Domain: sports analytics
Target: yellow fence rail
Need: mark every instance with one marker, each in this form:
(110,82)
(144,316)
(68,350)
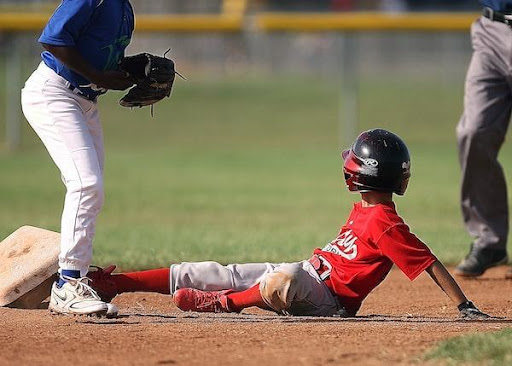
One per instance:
(144,22)
(232,20)
(365,21)
(189,23)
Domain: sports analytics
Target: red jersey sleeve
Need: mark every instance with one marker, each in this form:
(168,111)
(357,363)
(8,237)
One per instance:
(405,250)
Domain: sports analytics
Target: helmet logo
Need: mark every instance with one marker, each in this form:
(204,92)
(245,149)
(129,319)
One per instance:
(370,162)
(406,165)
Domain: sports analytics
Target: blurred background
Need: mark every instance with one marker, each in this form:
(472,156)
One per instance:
(242,162)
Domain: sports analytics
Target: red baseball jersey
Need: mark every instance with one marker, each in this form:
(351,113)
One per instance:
(361,256)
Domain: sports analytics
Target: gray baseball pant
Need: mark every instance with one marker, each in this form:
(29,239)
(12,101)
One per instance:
(481,132)
(287,288)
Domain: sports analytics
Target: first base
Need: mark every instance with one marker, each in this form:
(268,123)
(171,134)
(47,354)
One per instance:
(28,265)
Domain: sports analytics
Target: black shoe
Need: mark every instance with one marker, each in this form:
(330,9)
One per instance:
(478,261)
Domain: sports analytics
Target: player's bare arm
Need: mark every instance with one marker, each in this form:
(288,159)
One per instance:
(447,283)
(110,79)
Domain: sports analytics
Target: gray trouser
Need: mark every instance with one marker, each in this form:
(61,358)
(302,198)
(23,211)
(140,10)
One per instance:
(288,288)
(481,132)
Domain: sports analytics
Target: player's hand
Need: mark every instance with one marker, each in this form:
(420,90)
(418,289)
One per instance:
(113,79)
(467,310)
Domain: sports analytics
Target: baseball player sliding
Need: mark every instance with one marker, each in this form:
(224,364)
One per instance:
(337,278)
(83,41)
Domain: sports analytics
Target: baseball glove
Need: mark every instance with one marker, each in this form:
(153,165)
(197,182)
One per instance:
(154,76)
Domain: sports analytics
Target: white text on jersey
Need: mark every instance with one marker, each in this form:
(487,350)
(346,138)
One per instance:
(344,245)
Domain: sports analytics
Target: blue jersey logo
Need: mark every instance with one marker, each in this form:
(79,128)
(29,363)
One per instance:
(116,52)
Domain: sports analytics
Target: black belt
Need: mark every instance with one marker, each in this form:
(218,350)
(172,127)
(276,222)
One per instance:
(77,91)
(497,16)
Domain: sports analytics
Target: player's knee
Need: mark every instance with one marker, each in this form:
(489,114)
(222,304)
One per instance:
(276,290)
(476,131)
(95,192)
(91,191)
(480,141)
(460,130)
(467,129)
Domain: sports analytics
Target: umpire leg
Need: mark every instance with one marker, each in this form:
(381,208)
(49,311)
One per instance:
(480,135)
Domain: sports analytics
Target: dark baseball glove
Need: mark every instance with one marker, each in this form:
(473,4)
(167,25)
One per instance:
(154,76)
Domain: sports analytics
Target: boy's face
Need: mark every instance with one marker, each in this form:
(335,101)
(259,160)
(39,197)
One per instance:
(350,168)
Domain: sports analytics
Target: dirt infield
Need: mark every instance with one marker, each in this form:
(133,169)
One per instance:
(397,323)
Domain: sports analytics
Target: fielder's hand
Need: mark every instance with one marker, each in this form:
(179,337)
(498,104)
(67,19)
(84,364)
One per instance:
(467,310)
(153,75)
(113,79)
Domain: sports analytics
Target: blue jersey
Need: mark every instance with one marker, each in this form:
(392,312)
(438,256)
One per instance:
(498,5)
(99,29)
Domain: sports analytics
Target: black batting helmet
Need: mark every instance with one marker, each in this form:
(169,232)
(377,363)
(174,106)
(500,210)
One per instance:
(377,161)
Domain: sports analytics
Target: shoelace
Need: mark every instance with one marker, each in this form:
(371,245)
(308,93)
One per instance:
(207,300)
(211,300)
(82,286)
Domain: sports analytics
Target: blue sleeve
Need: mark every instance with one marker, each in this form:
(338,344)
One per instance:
(67,22)
(498,5)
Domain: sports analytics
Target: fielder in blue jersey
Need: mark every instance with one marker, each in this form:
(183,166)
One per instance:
(480,134)
(83,42)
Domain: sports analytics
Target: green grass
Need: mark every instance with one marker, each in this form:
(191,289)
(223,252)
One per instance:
(490,349)
(245,170)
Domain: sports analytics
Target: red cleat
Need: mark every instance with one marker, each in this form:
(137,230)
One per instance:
(101,282)
(189,299)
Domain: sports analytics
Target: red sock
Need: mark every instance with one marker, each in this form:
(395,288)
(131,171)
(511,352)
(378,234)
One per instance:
(154,280)
(244,299)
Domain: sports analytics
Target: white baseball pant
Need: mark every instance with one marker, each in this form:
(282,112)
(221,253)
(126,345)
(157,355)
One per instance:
(69,127)
(288,288)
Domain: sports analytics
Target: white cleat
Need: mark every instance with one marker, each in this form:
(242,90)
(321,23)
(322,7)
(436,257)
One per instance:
(76,297)
(112,311)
